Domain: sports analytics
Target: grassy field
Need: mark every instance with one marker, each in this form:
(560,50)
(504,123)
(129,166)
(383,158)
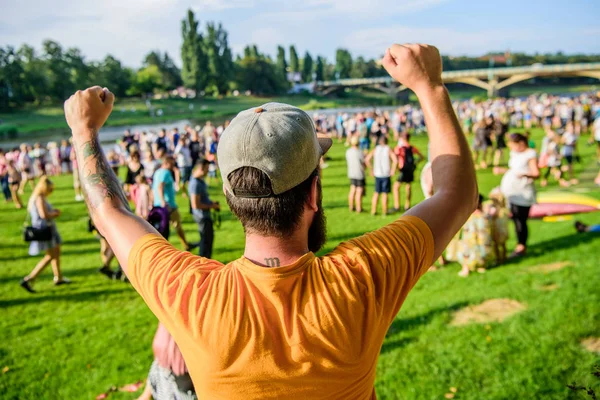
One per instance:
(76,341)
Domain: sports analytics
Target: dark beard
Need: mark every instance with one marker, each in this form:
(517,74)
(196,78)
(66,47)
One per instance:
(317,233)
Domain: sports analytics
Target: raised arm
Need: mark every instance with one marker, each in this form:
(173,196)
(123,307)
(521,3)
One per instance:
(86,111)
(419,67)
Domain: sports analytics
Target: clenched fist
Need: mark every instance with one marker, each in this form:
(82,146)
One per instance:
(87,110)
(417,66)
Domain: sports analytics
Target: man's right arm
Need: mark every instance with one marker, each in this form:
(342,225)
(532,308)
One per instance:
(419,67)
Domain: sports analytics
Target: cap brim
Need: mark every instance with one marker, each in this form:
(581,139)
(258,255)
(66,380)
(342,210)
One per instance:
(325,143)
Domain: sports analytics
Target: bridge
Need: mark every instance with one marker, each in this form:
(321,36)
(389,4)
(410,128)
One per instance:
(490,79)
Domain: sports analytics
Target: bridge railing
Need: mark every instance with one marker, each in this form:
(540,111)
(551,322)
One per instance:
(474,73)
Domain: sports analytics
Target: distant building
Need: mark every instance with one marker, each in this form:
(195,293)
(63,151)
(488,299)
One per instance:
(497,58)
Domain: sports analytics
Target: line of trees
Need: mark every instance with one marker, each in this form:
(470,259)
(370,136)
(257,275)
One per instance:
(208,67)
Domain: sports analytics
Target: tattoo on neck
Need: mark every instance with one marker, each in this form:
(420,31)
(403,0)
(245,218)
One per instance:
(272,262)
(97,178)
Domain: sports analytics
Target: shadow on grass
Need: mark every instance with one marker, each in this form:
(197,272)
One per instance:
(70,273)
(81,296)
(549,246)
(407,324)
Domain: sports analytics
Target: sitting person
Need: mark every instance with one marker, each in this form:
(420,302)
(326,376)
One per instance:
(583,228)
(475,242)
(495,209)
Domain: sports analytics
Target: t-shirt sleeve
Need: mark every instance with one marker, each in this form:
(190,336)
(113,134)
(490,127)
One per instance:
(391,259)
(169,280)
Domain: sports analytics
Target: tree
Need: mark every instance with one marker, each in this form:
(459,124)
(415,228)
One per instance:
(113,75)
(359,68)
(257,74)
(57,70)
(35,80)
(170,74)
(320,69)
(307,68)
(220,60)
(281,66)
(294,63)
(12,84)
(147,80)
(79,71)
(226,67)
(343,63)
(195,68)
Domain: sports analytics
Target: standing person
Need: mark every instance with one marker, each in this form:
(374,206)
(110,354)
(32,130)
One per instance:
(42,217)
(76,181)
(500,131)
(355,159)
(163,188)
(134,168)
(183,156)
(568,149)
(201,206)
(14,180)
(596,129)
(150,166)
(407,164)
(25,165)
(281,322)
(483,142)
(142,197)
(65,159)
(4,177)
(518,188)
(384,162)
(196,147)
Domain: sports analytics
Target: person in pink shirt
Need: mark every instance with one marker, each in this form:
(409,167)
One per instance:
(141,195)
(4,177)
(168,377)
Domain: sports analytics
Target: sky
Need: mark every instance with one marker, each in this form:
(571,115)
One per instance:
(129,29)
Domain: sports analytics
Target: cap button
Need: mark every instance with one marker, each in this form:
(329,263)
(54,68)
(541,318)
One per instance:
(258,110)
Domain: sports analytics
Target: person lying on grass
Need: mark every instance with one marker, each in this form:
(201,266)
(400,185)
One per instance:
(280,322)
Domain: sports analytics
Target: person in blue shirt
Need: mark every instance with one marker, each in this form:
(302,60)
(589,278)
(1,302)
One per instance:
(163,187)
(201,206)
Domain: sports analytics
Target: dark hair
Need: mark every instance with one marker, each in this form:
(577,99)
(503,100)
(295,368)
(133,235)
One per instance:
(518,138)
(277,215)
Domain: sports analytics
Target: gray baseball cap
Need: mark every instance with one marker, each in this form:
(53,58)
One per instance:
(277,139)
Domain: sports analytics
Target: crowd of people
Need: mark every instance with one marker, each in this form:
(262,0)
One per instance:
(482,241)
(158,165)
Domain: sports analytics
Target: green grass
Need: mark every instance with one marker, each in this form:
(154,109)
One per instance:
(74,342)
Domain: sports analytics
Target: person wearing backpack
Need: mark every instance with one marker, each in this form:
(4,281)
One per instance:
(408,158)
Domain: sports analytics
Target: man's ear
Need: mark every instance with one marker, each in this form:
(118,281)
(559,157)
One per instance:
(313,200)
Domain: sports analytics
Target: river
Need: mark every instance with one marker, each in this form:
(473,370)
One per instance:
(110,134)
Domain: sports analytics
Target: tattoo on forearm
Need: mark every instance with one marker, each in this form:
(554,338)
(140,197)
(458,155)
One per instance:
(272,262)
(97,178)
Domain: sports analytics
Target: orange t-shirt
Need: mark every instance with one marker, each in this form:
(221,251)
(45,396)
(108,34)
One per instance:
(309,330)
